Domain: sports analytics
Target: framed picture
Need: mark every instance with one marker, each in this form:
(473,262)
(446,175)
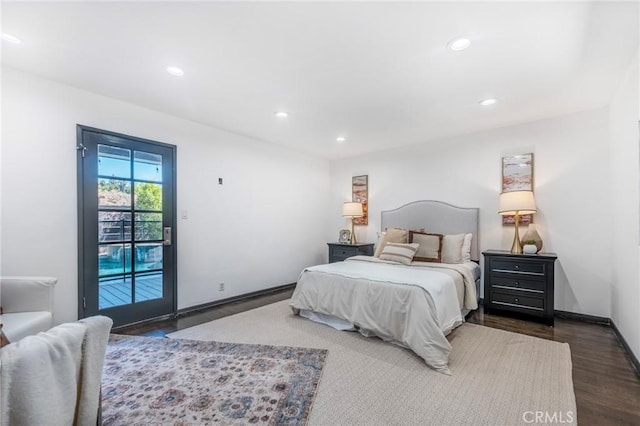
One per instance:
(360,194)
(345,236)
(517,175)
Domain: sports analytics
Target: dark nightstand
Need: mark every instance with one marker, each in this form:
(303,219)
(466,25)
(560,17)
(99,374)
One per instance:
(521,283)
(339,252)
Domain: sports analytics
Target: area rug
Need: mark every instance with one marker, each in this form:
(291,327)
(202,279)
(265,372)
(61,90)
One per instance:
(497,377)
(154,381)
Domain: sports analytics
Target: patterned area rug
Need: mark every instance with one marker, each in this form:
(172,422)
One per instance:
(157,381)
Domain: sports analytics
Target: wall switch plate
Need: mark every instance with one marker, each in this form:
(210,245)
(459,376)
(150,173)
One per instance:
(219,181)
(184,214)
(221,287)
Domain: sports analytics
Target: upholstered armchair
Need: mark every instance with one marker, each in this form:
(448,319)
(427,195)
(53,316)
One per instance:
(27,305)
(54,378)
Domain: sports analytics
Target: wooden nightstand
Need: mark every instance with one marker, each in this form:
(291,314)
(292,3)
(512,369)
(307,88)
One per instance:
(339,252)
(520,283)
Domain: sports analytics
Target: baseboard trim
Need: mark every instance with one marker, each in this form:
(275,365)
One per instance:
(582,317)
(144,321)
(185,311)
(626,347)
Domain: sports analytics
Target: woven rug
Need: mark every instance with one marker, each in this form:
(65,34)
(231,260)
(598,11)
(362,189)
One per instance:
(152,381)
(497,377)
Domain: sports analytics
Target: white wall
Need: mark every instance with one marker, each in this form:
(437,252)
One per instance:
(256,231)
(625,283)
(571,180)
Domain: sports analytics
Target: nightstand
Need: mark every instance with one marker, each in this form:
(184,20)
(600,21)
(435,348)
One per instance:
(339,252)
(521,283)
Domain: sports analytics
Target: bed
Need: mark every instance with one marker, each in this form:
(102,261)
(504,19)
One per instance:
(415,305)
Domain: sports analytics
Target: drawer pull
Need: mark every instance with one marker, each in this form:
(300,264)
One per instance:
(517,267)
(516,300)
(517,283)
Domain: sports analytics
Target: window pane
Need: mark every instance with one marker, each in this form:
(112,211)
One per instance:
(114,193)
(114,227)
(114,259)
(147,166)
(114,161)
(148,196)
(148,256)
(114,291)
(148,286)
(148,226)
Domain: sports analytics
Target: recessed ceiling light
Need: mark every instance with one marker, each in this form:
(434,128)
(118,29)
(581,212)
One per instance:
(175,71)
(11,39)
(282,114)
(487,102)
(459,44)
(341,139)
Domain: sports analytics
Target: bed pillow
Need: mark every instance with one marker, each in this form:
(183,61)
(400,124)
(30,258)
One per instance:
(466,248)
(452,248)
(391,235)
(401,253)
(430,246)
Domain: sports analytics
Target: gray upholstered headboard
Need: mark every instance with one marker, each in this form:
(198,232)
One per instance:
(438,217)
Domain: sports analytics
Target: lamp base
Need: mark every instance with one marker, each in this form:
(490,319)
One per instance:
(516,247)
(353,234)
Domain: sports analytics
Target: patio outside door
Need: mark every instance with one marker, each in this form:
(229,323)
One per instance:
(126,227)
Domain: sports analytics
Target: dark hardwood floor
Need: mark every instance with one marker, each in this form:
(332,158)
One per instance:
(606,386)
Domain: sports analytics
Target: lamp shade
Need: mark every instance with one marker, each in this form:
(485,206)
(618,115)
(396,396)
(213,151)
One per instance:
(521,202)
(350,209)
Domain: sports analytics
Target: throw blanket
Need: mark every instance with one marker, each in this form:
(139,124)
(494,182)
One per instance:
(414,307)
(53,378)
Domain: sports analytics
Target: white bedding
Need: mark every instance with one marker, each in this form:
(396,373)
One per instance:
(414,306)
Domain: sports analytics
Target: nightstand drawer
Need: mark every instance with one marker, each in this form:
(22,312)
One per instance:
(339,252)
(513,281)
(514,265)
(512,300)
(343,252)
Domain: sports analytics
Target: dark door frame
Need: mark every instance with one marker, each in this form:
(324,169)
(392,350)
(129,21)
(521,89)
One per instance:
(80,129)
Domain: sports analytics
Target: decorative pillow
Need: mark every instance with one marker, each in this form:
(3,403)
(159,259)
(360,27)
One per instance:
(452,248)
(430,246)
(466,248)
(401,253)
(391,235)
(3,338)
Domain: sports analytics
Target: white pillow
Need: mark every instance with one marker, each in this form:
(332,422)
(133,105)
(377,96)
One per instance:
(401,253)
(452,248)
(466,248)
(391,235)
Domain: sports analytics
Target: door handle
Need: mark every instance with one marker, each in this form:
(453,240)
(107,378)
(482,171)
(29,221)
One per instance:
(166,234)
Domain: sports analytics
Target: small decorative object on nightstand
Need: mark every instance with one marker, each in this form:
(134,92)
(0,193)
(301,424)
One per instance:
(344,236)
(529,247)
(339,252)
(519,283)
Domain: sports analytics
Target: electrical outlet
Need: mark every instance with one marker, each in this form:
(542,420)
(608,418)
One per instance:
(221,287)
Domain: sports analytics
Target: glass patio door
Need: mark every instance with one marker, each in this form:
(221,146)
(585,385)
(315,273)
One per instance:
(127,251)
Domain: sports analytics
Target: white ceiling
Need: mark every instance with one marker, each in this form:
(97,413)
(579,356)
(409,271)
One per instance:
(378,73)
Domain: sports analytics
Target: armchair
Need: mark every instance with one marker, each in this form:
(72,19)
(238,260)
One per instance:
(27,305)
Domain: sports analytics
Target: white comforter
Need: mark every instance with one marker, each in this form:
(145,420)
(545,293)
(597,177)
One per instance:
(415,306)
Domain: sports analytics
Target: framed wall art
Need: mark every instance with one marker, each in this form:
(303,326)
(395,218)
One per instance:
(517,175)
(360,194)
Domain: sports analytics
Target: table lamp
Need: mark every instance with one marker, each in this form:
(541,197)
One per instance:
(517,203)
(352,210)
